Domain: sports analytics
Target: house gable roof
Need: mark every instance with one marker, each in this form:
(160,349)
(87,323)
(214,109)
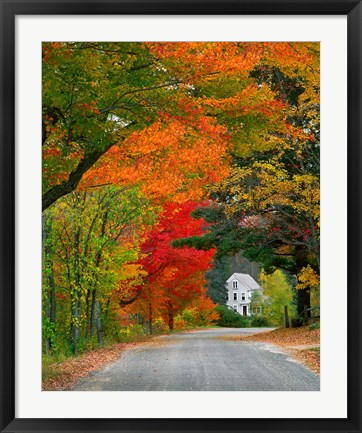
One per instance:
(245,279)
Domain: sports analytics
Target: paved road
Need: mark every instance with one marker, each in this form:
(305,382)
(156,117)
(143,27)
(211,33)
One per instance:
(203,361)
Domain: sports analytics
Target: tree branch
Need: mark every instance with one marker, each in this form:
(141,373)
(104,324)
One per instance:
(65,187)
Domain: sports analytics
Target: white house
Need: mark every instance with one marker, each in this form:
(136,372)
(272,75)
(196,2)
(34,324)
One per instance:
(240,288)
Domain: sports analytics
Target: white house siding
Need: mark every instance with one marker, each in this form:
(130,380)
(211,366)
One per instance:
(239,284)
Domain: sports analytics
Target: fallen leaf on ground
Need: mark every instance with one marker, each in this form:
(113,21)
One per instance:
(302,343)
(65,374)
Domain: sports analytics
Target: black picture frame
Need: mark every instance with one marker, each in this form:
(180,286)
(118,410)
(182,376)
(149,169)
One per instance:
(9,10)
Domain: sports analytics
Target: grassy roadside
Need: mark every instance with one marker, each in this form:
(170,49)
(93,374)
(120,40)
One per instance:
(301,343)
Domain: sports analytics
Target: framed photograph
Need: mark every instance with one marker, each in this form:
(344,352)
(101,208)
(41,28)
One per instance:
(180,216)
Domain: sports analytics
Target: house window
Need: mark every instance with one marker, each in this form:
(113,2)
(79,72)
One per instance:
(235,296)
(235,307)
(235,284)
(243,296)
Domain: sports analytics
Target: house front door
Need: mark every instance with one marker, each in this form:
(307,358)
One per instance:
(245,310)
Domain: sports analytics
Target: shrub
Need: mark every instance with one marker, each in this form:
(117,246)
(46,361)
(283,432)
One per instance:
(131,332)
(230,319)
(315,325)
(159,326)
(259,321)
(179,322)
(190,317)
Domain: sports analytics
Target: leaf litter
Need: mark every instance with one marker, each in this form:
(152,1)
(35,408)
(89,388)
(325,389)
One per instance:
(301,343)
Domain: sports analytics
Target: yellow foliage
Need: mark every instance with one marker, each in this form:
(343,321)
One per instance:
(307,278)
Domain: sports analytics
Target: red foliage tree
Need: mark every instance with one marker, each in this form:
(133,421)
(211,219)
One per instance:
(175,276)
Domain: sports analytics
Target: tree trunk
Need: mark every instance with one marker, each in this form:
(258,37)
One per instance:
(76,295)
(150,318)
(303,301)
(93,312)
(87,309)
(67,186)
(95,308)
(170,317)
(75,326)
(47,346)
(98,323)
(50,299)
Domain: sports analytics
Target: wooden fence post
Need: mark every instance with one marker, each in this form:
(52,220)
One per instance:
(305,315)
(286,317)
(311,316)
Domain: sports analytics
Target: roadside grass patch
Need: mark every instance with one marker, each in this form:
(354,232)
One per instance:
(315,349)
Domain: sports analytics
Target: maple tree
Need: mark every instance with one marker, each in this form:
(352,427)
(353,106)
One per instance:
(175,276)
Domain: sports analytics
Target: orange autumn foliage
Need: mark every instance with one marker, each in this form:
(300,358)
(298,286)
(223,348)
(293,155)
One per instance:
(171,135)
(175,159)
